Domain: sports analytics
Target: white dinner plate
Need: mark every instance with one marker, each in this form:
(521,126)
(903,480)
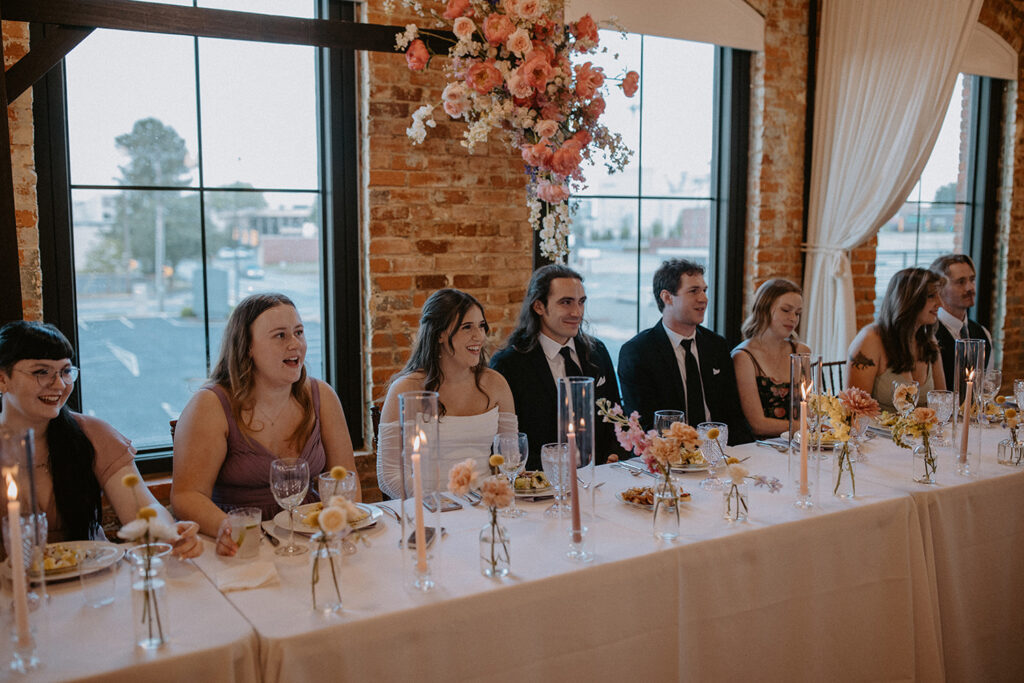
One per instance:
(281,518)
(691,467)
(827,443)
(104,552)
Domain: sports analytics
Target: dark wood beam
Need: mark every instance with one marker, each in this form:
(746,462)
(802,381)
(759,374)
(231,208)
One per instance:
(151,17)
(10,271)
(42,57)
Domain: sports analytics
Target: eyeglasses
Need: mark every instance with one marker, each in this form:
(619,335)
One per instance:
(45,376)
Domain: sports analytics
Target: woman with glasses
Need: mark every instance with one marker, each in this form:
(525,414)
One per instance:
(76,458)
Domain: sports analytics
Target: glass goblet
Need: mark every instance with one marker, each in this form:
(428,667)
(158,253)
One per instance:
(328,486)
(554,457)
(942,403)
(904,396)
(663,419)
(1018,393)
(991,381)
(289,482)
(514,449)
(713,451)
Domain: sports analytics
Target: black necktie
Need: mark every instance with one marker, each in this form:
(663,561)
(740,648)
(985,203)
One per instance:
(964,332)
(694,391)
(571,368)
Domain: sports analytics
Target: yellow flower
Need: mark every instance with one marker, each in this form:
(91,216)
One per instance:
(1010,413)
(146,513)
(732,460)
(313,518)
(713,433)
(338,472)
(1000,400)
(496,460)
(1011,422)
(130,480)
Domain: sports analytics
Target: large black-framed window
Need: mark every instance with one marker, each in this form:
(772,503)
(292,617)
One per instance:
(626,224)
(328,211)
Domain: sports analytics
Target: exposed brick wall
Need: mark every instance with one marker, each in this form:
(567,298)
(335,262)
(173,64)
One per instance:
(775,210)
(435,216)
(19,117)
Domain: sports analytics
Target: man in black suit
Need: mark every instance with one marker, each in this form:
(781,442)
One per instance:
(678,364)
(957,296)
(548,344)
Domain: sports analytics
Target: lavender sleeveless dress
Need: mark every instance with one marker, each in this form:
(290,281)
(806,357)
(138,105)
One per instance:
(244,478)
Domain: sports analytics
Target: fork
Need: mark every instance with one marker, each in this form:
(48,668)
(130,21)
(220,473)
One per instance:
(587,485)
(392,513)
(632,470)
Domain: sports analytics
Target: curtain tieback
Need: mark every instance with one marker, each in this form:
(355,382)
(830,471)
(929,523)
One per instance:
(839,258)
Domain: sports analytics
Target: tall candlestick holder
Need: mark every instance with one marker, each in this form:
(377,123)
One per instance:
(16,481)
(968,375)
(576,428)
(799,376)
(421,489)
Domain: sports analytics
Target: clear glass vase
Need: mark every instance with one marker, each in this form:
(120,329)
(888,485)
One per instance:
(925,464)
(1010,453)
(325,574)
(844,476)
(735,506)
(149,613)
(495,547)
(666,511)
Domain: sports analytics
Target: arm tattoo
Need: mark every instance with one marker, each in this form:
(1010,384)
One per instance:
(860,361)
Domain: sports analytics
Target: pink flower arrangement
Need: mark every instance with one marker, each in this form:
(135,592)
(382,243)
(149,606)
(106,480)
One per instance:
(496,492)
(512,59)
(859,402)
(679,446)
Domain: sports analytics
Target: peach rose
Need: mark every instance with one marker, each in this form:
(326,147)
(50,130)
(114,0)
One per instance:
(537,70)
(630,83)
(538,155)
(585,29)
(566,159)
(546,128)
(462,477)
(456,9)
(483,77)
(529,9)
(518,86)
(497,28)
(416,56)
(463,28)
(552,193)
(518,42)
(588,79)
(596,107)
(582,138)
(456,108)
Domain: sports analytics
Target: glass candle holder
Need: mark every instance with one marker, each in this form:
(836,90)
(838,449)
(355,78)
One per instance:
(421,488)
(576,428)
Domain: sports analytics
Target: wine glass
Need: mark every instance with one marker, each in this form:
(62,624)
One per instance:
(991,381)
(554,458)
(713,451)
(663,419)
(942,403)
(1018,393)
(904,396)
(512,447)
(289,482)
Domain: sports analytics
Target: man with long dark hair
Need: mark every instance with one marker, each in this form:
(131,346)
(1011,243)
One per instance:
(679,364)
(548,343)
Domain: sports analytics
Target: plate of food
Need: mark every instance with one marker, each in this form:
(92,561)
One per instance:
(305,518)
(643,497)
(828,439)
(691,467)
(65,560)
(533,484)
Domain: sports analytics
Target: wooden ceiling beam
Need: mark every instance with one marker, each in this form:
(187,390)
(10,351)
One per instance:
(43,56)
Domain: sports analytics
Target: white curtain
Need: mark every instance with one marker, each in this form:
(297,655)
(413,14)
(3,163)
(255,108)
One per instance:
(886,72)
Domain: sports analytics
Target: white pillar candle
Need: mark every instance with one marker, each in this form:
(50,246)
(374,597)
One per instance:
(803,440)
(964,432)
(19,583)
(417,486)
(577,528)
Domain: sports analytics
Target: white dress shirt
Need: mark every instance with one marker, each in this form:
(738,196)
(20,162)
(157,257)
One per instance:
(955,325)
(677,349)
(556,362)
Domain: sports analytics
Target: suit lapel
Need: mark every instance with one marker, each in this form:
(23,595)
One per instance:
(543,378)
(666,358)
(707,365)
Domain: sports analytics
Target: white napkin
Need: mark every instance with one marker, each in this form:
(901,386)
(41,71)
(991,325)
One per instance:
(249,575)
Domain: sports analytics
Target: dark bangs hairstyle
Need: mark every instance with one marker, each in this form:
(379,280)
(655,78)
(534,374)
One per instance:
(71,455)
(904,299)
(444,310)
(235,370)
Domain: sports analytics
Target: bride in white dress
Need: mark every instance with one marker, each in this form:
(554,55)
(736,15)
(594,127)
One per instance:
(475,401)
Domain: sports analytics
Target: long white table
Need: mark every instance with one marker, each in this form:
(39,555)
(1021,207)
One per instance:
(905,582)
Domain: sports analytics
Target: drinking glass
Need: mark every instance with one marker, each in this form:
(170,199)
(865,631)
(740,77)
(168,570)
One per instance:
(289,482)
(991,381)
(512,446)
(245,530)
(663,419)
(904,399)
(33,543)
(942,402)
(554,458)
(328,486)
(713,451)
(1018,393)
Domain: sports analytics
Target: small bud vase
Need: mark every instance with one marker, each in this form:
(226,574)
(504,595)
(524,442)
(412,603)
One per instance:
(844,481)
(495,545)
(325,579)
(1011,453)
(666,511)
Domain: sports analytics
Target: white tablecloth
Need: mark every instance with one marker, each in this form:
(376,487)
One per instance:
(209,641)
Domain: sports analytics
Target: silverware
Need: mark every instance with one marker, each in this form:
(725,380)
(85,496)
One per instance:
(773,444)
(274,541)
(391,513)
(632,470)
(587,485)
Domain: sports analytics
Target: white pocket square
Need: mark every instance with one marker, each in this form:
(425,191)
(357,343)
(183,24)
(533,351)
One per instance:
(715,371)
(600,381)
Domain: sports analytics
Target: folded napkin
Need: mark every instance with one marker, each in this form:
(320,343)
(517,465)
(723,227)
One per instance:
(249,575)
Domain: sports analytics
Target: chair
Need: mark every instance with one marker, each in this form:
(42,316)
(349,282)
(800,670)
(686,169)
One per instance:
(832,375)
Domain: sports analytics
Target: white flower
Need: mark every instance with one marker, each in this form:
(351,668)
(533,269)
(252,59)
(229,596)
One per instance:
(137,528)
(402,40)
(737,473)
(333,519)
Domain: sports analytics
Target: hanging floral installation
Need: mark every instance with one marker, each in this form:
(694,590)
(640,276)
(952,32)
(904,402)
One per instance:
(511,68)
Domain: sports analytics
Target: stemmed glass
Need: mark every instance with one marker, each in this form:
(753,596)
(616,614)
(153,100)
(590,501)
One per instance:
(942,403)
(991,381)
(554,458)
(289,482)
(713,451)
(904,396)
(512,446)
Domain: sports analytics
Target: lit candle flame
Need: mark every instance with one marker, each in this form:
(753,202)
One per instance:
(12,488)
(804,388)
(970,376)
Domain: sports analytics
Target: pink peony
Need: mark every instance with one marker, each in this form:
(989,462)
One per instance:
(552,193)
(483,77)
(456,9)
(586,29)
(519,42)
(495,492)
(462,477)
(537,70)
(582,138)
(463,28)
(517,86)
(588,79)
(497,28)
(550,110)
(416,56)
(538,155)
(859,402)
(566,159)
(529,9)
(630,83)
(924,416)
(546,128)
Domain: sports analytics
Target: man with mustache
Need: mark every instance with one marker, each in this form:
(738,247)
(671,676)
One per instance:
(678,364)
(957,297)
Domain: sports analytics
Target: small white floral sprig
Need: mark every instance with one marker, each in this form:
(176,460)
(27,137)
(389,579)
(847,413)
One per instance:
(737,473)
(510,69)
